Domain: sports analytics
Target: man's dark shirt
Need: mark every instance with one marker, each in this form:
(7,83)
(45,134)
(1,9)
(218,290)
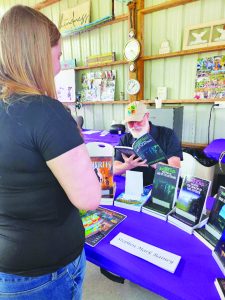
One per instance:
(167,140)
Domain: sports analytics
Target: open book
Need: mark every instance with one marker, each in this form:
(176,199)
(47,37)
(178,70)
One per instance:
(146,148)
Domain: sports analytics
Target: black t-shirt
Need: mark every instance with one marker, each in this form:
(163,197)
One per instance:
(166,139)
(40,229)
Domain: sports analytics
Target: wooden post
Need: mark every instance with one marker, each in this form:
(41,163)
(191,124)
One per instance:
(140,62)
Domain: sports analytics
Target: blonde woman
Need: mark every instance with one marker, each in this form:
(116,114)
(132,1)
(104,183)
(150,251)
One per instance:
(45,172)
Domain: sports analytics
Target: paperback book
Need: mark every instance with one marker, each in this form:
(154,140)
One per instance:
(133,202)
(99,223)
(211,233)
(188,213)
(103,170)
(164,192)
(220,286)
(146,148)
(219,253)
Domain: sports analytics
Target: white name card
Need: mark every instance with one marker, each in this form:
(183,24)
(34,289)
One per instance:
(157,256)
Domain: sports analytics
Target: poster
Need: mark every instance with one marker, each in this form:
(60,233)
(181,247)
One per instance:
(98,86)
(65,85)
(210,78)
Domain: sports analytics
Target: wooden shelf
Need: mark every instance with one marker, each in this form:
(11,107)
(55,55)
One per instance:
(106,102)
(102,65)
(184,52)
(169,101)
(165,5)
(44,4)
(186,101)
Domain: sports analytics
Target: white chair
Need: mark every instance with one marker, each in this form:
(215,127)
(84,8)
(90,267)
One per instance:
(190,166)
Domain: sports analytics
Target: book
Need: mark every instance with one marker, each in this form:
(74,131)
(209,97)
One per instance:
(190,205)
(219,253)
(103,166)
(220,286)
(211,233)
(99,223)
(146,148)
(133,202)
(164,191)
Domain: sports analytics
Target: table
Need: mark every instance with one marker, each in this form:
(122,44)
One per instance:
(194,276)
(101,136)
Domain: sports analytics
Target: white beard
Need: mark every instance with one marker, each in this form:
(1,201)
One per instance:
(138,133)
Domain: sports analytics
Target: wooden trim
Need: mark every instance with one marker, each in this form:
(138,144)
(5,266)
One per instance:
(165,5)
(193,145)
(184,52)
(44,4)
(113,63)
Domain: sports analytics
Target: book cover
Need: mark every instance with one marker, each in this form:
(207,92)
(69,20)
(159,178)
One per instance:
(190,203)
(99,223)
(146,148)
(220,286)
(126,201)
(164,190)
(212,231)
(103,167)
(219,253)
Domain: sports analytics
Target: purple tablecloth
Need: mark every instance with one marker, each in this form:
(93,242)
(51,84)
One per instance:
(108,138)
(194,276)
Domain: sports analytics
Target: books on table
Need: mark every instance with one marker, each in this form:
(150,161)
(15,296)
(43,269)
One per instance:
(219,253)
(135,195)
(189,209)
(220,286)
(164,191)
(99,223)
(101,155)
(211,233)
(103,169)
(146,148)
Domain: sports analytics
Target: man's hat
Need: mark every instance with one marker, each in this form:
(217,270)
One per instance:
(135,111)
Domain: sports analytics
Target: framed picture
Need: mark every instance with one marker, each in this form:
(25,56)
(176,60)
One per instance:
(65,85)
(218,33)
(204,35)
(196,36)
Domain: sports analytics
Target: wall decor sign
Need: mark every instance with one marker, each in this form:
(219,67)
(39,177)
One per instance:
(75,17)
(98,86)
(204,35)
(210,78)
(101,58)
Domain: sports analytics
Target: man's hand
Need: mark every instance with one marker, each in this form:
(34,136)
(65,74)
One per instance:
(132,162)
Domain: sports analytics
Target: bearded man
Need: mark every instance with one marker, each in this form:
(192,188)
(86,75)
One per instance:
(137,120)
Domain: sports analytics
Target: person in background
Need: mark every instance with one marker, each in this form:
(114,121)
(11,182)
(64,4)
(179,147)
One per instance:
(46,175)
(137,119)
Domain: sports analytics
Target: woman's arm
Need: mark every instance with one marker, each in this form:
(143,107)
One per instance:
(73,170)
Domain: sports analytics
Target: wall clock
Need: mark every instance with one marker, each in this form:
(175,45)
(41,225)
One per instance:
(132,50)
(133,86)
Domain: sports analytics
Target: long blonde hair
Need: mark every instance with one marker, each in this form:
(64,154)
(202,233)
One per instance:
(26,38)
